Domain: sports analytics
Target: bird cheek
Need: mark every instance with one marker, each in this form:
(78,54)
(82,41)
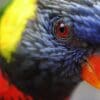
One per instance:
(91,71)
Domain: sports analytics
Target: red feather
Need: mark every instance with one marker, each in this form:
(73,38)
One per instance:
(8,91)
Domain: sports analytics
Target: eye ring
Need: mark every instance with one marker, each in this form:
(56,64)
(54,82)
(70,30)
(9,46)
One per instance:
(61,30)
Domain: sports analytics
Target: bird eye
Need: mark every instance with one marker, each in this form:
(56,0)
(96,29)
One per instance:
(61,29)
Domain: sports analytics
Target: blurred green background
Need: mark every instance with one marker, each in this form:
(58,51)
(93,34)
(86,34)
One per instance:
(3,3)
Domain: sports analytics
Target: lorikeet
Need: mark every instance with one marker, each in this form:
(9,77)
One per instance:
(48,46)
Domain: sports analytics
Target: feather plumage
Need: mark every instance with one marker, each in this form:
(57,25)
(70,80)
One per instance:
(45,66)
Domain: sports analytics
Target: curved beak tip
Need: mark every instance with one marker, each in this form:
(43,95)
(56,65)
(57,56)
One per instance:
(91,71)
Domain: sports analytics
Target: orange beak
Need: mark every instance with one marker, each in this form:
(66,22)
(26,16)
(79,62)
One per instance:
(91,71)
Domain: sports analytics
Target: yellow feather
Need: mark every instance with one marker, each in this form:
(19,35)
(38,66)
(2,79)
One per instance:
(13,23)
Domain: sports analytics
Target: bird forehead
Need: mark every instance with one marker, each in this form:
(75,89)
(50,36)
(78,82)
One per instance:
(67,2)
(67,7)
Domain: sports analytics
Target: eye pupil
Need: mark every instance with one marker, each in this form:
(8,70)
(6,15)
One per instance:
(62,28)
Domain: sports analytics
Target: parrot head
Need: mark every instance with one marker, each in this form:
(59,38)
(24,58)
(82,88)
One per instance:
(49,46)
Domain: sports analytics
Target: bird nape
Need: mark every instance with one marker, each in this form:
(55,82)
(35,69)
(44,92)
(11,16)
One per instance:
(47,62)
